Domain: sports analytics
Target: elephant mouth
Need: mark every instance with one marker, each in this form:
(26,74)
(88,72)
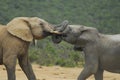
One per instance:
(46,33)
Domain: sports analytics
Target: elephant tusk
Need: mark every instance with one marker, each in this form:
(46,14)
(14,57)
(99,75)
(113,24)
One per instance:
(55,32)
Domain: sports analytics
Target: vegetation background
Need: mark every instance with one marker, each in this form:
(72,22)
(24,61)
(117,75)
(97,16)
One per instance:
(102,14)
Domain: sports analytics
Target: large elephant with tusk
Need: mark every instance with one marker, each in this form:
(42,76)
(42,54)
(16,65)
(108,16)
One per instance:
(15,38)
(102,52)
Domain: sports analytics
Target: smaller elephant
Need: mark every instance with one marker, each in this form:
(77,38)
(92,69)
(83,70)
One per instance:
(15,38)
(102,52)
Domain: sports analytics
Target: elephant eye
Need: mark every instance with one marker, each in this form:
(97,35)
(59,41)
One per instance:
(41,24)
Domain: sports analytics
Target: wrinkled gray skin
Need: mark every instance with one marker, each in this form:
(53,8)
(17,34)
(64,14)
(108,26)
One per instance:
(102,52)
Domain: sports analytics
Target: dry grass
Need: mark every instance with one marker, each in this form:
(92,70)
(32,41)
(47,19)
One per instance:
(54,73)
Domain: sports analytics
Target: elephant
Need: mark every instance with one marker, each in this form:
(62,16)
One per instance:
(101,51)
(15,38)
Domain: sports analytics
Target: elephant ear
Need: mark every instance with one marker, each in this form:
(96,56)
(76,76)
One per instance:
(20,28)
(89,34)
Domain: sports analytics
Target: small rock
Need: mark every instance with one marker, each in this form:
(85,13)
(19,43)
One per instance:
(4,68)
(18,69)
(55,73)
(40,67)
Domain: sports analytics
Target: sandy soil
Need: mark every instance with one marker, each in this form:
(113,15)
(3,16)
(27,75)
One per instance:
(54,73)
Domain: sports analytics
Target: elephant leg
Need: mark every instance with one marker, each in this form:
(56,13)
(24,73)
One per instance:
(10,64)
(91,66)
(26,67)
(88,71)
(99,75)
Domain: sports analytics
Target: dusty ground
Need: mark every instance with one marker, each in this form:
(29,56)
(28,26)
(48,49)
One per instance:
(54,73)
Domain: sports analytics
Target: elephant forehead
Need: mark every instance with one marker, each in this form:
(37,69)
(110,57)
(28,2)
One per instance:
(41,20)
(75,28)
(37,20)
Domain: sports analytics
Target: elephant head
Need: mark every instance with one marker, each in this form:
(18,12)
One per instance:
(78,35)
(29,28)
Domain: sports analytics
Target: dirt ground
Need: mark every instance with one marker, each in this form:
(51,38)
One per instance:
(54,73)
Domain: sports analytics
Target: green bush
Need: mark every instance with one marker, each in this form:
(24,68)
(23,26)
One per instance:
(33,54)
(51,54)
(65,63)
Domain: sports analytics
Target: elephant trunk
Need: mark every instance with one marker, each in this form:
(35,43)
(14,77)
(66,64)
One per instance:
(60,28)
